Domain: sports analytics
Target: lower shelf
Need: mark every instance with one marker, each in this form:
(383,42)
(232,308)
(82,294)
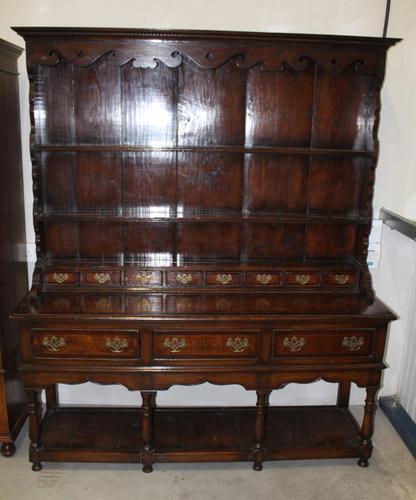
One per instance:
(196,434)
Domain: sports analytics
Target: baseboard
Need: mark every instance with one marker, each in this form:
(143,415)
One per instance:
(401,421)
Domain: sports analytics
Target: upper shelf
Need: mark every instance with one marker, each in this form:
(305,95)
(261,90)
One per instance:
(125,148)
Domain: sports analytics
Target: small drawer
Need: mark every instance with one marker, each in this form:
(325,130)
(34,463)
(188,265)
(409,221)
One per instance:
(322,343)
(143,278)
(184,278)
(303,279)
(85,343)
(223,279)
(102,278)
(263,278)
(62,278)
(200,345)
(341,279)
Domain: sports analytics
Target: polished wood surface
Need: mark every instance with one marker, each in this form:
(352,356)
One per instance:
(202,212)
(13,282)
(101,434)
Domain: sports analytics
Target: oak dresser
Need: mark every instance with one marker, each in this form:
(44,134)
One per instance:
(203,202)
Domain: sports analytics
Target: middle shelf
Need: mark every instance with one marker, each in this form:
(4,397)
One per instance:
(156,214)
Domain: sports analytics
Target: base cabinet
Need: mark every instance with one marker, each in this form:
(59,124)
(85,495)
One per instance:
(151,356)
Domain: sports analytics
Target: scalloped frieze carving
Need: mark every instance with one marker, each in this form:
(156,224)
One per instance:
(149,53)
(165,380)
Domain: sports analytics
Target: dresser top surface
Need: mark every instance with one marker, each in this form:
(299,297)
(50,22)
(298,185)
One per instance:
(205,306)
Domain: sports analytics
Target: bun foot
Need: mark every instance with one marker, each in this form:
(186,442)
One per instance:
(258,467)
(8,449)
(37,466)
(147,468)
(363,462)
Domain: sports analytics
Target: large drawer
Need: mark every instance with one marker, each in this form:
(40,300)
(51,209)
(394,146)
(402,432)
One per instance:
(322,343)
(180,344)
(106,343)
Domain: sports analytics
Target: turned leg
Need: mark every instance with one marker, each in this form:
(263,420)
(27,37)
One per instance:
(52,397)
(260,428)
(367,427)
(344,389)
(34,410)
(149,403)
(8,448)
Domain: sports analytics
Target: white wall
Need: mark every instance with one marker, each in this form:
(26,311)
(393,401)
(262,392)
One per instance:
(396,176)
(394,281)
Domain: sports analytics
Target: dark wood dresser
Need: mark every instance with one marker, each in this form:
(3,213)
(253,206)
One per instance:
(202,212)
(13,271)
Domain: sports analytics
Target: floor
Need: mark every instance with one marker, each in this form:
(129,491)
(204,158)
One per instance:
(391,476)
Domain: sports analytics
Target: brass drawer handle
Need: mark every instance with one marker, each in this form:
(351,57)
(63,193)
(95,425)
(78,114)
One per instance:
(102,278)
(294,343)
(303,279)
(342,279)
(53,343)
(143,277)
(353,343)
(264,279)
(60,277)
(184,278)
(174,344)
(224,279)
(116,344)
(237,344)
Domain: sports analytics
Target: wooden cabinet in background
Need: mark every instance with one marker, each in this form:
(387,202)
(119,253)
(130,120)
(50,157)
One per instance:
(202,211)
(13,272)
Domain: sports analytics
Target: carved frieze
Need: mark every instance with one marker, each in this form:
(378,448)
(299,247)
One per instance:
(209,55)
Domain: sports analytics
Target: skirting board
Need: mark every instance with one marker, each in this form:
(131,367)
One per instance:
(401,421)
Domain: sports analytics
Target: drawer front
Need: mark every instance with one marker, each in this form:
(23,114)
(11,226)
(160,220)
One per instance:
(102,278)
(184,278)
(322,343)
(263,278)
(143,278)
(303,279)
(203,345)
(85,343)
(341,279)
(62,278)
(223,279)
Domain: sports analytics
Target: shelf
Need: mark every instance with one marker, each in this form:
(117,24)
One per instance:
(175,261)
(197,434)
(151,215)
(91,148)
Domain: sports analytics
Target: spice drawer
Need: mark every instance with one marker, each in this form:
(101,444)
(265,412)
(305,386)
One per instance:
(221,344)
(184,278)
(62,278)
(85,343)
(263,278)
(223,279)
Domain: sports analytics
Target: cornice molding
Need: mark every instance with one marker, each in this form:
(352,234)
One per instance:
(8,49)
(41,32)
